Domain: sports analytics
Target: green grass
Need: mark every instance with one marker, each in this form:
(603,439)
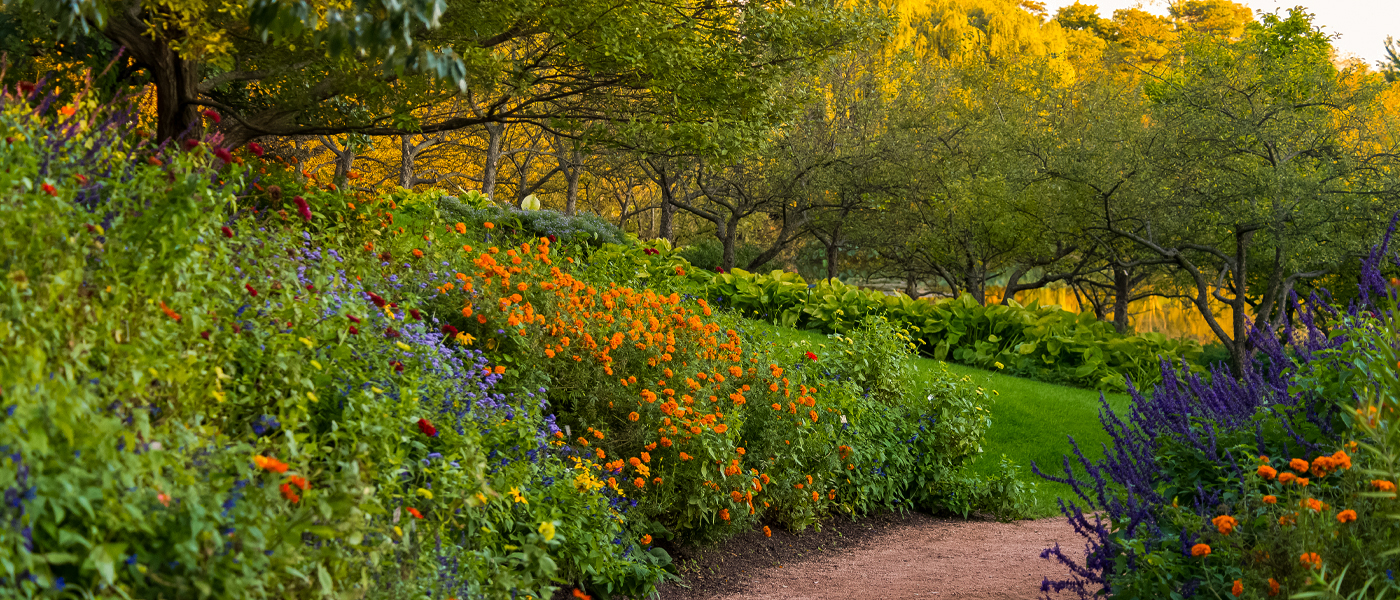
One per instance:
(1031,420)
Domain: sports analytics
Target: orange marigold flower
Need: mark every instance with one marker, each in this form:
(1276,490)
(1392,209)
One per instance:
(1286,477)
(1341,460)
(1346,516)
(740,450)
(1273,587)
(415,513)
(1314,504)
(1311,559)
(1302,481)
(813,414)
(461,227)
(1225,524)
(1298,465)
(646,458)
(639,482)
(633,416)
(767,532)
(724,513)
(1237,589)
(489,225)
(685,456)
(1383,485)
(1267,472)
(270,464)
(1200,550)
(721,428)
(1270,499)
(816,496)
(646,539)
(418,253)
(290,494)
(1263,459)
(577,592)
(1287,519)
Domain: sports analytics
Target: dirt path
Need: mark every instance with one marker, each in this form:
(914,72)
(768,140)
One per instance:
(912,556)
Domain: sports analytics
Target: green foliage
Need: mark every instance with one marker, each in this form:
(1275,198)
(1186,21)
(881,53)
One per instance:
(1044,342)
(583,228)
(153,360)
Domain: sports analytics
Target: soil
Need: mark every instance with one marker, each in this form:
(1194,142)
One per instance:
(885,557)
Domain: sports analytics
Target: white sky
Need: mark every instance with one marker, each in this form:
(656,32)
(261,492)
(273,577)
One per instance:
(1363,24)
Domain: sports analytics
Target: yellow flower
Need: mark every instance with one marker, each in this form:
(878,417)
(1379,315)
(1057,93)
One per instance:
(547,530)
(424,493)
(308,342)
(465,339)
(402,346)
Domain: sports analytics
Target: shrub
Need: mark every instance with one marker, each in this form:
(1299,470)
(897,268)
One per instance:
(582,228)
(191,409)
(1261,483)
(1043,342)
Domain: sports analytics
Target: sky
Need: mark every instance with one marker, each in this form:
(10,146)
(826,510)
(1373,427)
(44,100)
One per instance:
(1363,24)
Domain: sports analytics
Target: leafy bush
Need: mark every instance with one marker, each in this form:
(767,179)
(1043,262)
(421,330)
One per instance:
(708,254)
(1043,342)
(200,403)
(582,228)
(1280,481)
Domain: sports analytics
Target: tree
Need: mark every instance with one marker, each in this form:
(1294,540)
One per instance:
(701,70)
(1275,167)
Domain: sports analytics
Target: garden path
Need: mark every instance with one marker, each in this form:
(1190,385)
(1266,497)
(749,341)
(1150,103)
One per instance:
(918,557)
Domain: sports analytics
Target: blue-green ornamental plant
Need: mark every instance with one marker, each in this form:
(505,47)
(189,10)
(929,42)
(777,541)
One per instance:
(200,403)
(1043,342)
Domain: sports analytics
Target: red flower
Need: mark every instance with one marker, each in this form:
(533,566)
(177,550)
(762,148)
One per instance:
(223,155)
(811,356)
(377,299)
(352,330)
(302,208)
(290,494)
(48,189)
(427,428)
(251,292)
(256,149)
(449,330)
(299,481)
(415,513)
(719,269)
(398,366)
(228,233)
(26,87)
(81,178)
(213,114)
(552,239)
(191,144)
(204,334)
(391,333)
(416,316)
(353,319)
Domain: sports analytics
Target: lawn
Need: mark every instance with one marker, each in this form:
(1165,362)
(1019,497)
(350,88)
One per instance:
(1031,420)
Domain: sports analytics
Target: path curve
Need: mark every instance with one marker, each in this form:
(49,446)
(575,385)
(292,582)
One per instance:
(921,558)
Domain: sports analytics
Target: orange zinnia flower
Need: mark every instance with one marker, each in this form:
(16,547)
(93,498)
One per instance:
(1200,550)
(1346,516)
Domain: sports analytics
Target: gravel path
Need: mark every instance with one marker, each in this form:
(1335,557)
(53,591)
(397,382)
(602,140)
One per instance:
(921,558)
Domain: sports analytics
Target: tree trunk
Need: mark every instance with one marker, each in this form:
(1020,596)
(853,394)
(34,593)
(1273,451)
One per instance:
(572,176)
(406,175)
(729,237)
(176,80)
(833,254)
(1122,293)
(1239,348)
(495,133)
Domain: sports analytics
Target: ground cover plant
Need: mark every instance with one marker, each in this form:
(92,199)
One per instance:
(218,383)
(1042,342)
(1281,481)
